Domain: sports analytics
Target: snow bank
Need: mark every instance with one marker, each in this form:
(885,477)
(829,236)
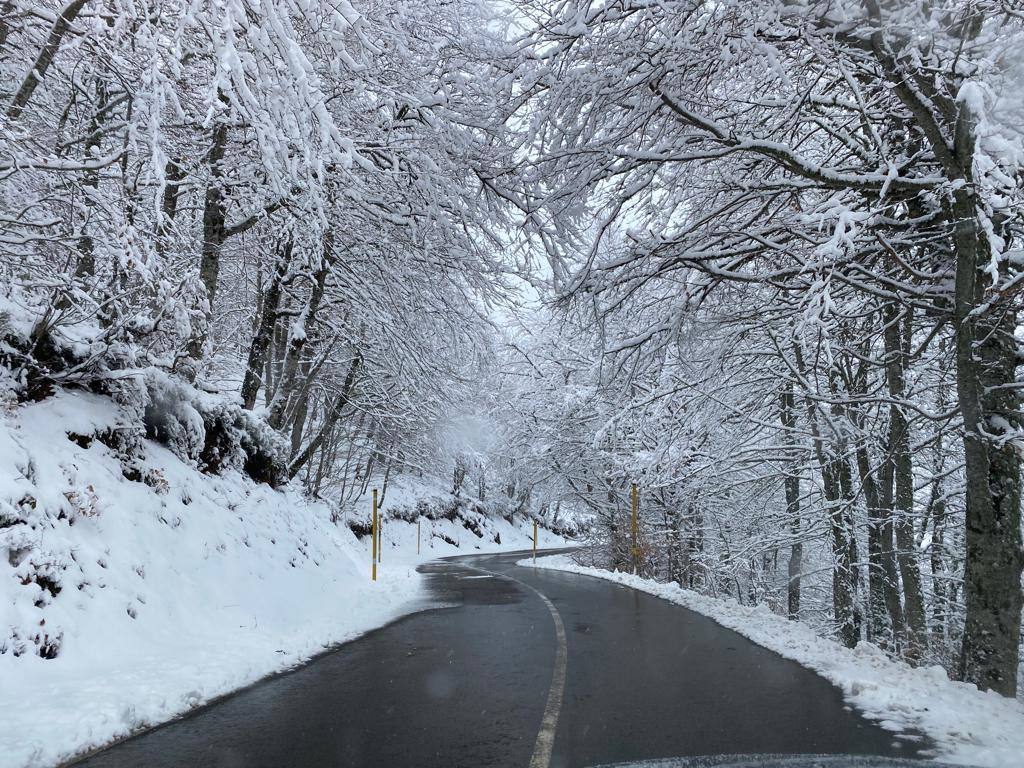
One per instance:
(135,588)
(969,727)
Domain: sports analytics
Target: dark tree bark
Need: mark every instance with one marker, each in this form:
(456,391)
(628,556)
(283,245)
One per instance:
(896,353)
(986,356)
(884,607)
(174,174)
(214,214)
(6,11)
(300,412)
(792,489)
(834,467)
(986,363)
(265,328)
(937,551)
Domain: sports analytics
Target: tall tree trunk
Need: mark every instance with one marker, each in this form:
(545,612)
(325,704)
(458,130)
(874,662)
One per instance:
(848,494)
(173,176)
(937,558)
(937,514)
(265,329)
(214,235)
(884,607)
(300,412)
(896,354)
(85,268)
(844,583)
(6,11)
(986,356)
(792,489)
(986,363)
(214,214)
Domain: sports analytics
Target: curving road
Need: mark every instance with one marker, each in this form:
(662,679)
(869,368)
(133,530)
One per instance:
(476,683)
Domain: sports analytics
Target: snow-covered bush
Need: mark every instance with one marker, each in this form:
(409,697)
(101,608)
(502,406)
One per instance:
(212,432)
(237,439)
(171,418)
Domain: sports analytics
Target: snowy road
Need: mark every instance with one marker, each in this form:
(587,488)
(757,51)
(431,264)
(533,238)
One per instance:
(472,685)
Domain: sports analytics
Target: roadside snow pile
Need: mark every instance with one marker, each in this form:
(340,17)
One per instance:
(969,727)
(134,587)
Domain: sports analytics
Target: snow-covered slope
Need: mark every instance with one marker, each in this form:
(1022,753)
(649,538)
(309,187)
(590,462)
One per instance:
(153,587)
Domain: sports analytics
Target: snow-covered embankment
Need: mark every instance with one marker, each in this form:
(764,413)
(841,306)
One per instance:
(132,590)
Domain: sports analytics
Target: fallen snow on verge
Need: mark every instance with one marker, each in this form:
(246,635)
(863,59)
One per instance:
(969,727)
(168,590)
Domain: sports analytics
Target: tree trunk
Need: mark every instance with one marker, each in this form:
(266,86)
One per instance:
(884,608)
(896,354)
(214,215)
(265,329)
(986,370)
(851,562)
(844,582)
(986,362)
(299,414)
(173,176)
(214,234)
(937,558)
(937,514)
(792,489)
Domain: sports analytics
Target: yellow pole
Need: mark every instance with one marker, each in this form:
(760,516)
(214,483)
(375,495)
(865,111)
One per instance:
(535,541)
(634,527)
(373,535)
(417,537)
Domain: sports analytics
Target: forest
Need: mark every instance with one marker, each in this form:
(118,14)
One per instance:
(759,258)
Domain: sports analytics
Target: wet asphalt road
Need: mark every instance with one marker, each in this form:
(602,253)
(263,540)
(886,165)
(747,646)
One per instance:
(466,685)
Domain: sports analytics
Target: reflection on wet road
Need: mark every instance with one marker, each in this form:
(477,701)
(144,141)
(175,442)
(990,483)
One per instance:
(465,684)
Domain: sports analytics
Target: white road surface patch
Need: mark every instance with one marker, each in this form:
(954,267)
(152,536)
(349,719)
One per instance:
(549,723)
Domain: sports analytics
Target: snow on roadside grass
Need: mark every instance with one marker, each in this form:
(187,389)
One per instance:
(968,726)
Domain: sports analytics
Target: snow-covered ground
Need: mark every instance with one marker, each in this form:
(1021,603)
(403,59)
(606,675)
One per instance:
(161,592)
(969,727)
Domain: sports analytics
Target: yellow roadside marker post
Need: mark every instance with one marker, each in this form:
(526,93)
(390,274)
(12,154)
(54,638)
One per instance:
(634,528)
(373,535)
(417,536)
(534,541)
